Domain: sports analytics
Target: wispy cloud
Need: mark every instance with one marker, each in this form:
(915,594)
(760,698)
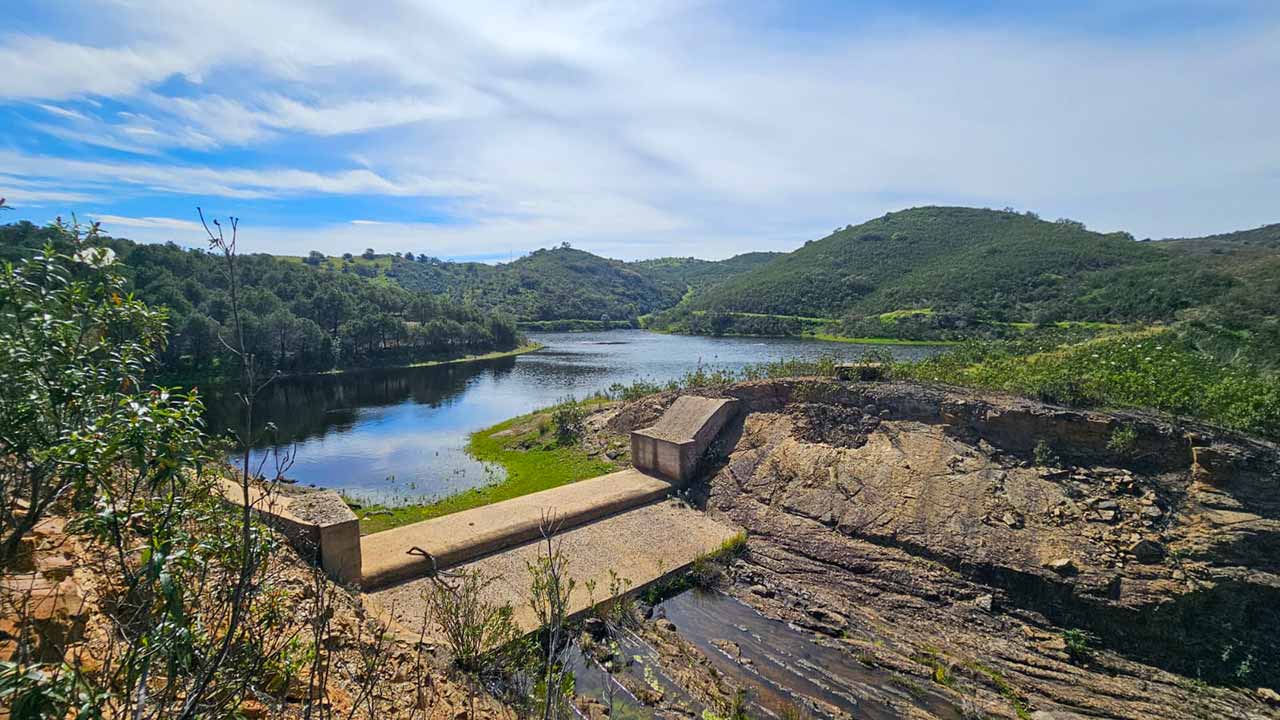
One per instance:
(149,223)
(648,128)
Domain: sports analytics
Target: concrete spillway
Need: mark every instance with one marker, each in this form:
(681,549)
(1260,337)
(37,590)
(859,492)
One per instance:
(418,549)
(617,523)
(641,546)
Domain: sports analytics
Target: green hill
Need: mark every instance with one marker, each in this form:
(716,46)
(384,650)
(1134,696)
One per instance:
(980,265)
(696,274)
(562,283)
(555,284)
(1265,238)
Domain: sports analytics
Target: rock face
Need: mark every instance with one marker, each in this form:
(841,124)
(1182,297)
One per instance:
(922,514)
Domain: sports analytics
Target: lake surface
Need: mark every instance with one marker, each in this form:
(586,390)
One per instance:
(397,435)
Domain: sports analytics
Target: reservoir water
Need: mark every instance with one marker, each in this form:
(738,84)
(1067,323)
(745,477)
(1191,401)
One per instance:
(398,435)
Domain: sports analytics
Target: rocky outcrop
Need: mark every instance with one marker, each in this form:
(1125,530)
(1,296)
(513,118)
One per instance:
(1113,564)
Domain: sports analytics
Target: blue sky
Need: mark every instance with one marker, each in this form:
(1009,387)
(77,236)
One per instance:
(481,130)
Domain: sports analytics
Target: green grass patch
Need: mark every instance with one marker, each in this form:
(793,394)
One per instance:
(526,348)
(876,340)
(894,315)
(526,447)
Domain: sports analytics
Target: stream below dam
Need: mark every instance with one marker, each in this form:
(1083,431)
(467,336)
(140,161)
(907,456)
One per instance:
(783,671)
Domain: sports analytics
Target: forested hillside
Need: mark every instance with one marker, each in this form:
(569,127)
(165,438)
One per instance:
(297,318)
(697,274)
(952,271)
(562,283)
(551,284)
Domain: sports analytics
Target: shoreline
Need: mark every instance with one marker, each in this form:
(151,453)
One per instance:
(495,355)
(196,381)
(529,459)
(819,336)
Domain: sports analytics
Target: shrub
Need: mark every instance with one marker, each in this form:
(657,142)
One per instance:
(1079,645)
(568,418)
(472,626)
(1044,455)
(1123,440)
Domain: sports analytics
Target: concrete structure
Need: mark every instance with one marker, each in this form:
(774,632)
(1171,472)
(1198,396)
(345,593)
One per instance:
(673,447)
(316,522)
(642,545)
(322,527)
(411,551)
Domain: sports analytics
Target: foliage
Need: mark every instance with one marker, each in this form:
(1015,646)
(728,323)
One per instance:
(1123,440)
(182,574)
(568,420)
(550,588)
(1079,645)
(473,627)
(1044,455)
(1158,368)
(73,346)
(296,316)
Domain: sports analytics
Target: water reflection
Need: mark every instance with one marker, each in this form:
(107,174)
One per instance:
(398,435)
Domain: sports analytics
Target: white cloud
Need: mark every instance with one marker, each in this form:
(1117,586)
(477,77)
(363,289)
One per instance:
(656,128)
(242,183)
(149,223)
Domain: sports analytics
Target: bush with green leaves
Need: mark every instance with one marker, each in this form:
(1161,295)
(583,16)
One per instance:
(1164,369)
(568,419)
(73,348)
(83,436)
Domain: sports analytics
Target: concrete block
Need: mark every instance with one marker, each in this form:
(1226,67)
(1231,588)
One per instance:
(673,446)
(318,524)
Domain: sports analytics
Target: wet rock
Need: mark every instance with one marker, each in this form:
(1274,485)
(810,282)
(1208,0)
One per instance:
(761,590)
(728,647)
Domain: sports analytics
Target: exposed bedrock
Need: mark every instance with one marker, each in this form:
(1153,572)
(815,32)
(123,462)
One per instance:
(907,507)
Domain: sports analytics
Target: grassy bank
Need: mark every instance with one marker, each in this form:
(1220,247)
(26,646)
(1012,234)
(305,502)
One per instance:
(526,348)
(527,449)
(215,375)
(877,340)
(574,325)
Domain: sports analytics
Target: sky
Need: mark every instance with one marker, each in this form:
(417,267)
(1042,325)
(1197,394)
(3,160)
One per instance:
(477,130)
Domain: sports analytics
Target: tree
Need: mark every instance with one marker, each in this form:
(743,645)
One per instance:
(331,307)
(367,254)
(315,257)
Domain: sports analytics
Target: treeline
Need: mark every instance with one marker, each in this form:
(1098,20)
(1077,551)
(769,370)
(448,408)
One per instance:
(295,318)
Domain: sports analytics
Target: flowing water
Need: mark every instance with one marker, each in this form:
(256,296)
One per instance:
(398,435)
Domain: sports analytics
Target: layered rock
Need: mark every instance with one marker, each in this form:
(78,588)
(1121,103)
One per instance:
(997,531)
